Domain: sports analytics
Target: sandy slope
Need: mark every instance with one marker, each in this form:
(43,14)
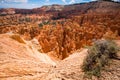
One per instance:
(69,68)
(24,61)
(20,61)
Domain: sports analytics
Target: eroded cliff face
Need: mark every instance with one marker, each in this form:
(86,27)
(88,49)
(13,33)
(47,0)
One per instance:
(75,33)
(62,38)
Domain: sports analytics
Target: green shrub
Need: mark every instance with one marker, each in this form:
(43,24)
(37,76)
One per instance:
(99,55)
(27,19)
(40,25)
(44,23)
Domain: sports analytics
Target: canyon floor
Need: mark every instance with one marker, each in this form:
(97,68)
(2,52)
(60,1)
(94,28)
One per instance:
(22,61)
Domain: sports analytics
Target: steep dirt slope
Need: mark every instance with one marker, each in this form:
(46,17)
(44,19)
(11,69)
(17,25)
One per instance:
(21,61)
(70,69)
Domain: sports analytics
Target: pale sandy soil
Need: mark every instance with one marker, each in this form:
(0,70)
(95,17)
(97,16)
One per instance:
(21,61)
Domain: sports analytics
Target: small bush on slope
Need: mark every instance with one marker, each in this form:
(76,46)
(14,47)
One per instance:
(17,38)
(99,55)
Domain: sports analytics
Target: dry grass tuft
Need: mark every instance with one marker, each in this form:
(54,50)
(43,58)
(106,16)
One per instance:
(99,56)
(17,38)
